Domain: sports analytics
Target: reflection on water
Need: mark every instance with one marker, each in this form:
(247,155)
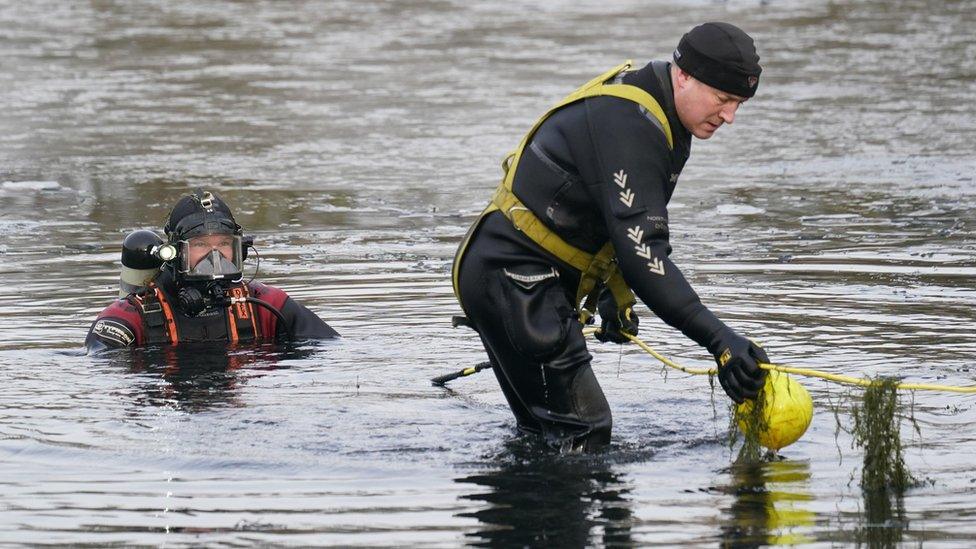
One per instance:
(884,519)
(198,376)
(534,497)
(770,505)
(835,222)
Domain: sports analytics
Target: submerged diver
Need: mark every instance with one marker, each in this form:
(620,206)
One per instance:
(194,288)
(581,217)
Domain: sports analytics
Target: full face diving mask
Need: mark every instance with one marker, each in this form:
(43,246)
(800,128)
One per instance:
(222,261)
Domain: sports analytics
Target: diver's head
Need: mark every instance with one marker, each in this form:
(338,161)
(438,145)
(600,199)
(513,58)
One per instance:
(207,239)
(716,69)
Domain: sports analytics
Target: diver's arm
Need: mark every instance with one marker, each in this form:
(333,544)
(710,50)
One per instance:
(109,333)
(631,188)
(634,174)
(304,323)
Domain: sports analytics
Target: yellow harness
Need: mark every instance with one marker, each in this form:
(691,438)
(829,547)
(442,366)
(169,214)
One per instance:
(594,268)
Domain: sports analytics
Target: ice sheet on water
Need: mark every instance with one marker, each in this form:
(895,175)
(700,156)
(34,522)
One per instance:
(738,209)
(30,185)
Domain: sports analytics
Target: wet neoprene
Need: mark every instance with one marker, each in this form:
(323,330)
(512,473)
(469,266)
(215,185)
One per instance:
(620,161)
(597,170)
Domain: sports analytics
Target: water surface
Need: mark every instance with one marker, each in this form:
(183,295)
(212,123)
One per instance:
(833,222)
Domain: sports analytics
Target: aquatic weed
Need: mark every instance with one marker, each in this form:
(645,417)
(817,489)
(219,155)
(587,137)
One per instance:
(876,431)
(749,420)
(838,427)
(711,389)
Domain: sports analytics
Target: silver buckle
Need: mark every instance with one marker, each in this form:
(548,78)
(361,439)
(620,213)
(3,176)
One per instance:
(207,201)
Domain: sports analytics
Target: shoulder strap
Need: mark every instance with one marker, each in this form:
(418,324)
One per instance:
(594,268)
(241,324)
(594,88)
(157,316)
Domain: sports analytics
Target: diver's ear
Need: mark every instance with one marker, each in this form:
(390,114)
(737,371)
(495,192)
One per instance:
(681,78)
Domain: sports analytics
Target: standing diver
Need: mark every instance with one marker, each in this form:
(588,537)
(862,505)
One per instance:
(192,289)
(580,223)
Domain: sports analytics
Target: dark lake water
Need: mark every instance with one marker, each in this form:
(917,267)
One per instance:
(835,222)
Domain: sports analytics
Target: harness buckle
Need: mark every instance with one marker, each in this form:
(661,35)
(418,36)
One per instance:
(507,162)
(152,314)
(511,216)
(611,269)
(600,269)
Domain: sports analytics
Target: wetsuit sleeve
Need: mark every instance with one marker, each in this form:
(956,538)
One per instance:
(631,187)
(116,327)
(304,323)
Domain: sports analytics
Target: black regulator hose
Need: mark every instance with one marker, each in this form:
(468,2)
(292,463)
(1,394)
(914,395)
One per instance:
(193,301)
(276,312)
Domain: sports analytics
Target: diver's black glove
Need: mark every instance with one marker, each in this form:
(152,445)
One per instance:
(738,365)
(615,321)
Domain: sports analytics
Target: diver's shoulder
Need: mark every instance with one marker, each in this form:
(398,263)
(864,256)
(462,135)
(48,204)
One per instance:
(266,292)
(118,325)
(121,307)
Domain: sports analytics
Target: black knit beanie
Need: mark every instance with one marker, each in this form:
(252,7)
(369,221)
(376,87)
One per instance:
(722,56)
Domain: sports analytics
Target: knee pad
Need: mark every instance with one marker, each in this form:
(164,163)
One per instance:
(534,310)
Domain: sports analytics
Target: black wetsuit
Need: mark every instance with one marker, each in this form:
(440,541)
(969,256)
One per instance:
(125,323)
(599,169)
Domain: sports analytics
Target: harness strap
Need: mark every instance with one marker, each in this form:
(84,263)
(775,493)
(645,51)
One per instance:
(594,88)
(157,316)
(594,268)
(231,328)
(240,318)
(597,268)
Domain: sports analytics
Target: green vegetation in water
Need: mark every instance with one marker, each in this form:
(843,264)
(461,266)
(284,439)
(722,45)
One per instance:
(711,388)
(876,431)
(753,422)
(884,521)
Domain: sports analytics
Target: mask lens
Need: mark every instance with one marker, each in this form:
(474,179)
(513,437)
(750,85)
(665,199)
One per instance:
(212,264)
(211,257)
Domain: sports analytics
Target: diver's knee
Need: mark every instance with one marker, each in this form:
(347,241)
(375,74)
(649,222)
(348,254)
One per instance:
(592,407)
(578,418)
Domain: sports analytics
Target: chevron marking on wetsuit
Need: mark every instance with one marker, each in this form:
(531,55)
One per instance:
(627,197)
(636,234)
(643,250)
(620,178)
(656,266)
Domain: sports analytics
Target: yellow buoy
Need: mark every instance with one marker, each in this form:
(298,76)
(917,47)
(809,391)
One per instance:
(787,411)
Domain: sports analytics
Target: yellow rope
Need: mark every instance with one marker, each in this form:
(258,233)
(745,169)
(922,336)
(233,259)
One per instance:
(837,378)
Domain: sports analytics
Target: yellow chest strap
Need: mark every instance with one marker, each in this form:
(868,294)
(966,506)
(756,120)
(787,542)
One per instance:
(594,268)
(594,88)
